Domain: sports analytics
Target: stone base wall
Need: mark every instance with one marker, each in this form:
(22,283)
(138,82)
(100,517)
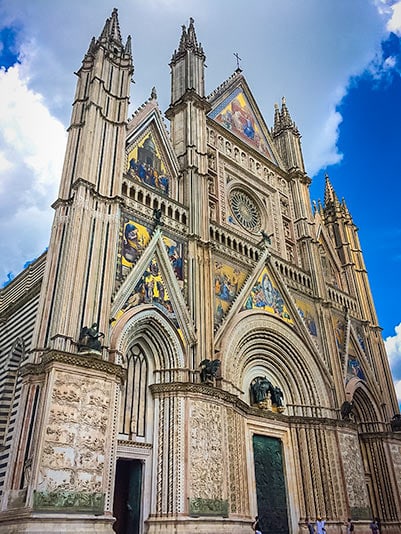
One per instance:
(55,524)
(201,525)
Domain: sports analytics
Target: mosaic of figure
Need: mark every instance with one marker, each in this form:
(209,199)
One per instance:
(150,290)
(135,239)
(227,283)
(146,165)
(175,253)
(339,327)
(361,338)
(235,114)
(305,311)
(354,369)
(266,296)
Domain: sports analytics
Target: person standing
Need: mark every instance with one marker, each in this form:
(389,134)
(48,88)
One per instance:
(320,526)
(311,528)
(256,526)
(350,526)
(374,526)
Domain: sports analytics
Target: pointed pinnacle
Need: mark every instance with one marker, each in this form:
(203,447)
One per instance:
(92,47)
(285,114)
(192,40)
(183,40)
(128,47)
(329,193)
(277,119)
(106,30)
(115,33)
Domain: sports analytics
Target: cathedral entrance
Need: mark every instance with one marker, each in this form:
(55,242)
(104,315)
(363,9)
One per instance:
(128,496)
(270,484)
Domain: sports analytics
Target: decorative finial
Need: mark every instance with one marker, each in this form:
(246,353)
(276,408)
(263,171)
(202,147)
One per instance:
(153,94)
(238,60)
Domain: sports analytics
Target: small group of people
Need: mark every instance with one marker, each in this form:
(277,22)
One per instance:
(320,526)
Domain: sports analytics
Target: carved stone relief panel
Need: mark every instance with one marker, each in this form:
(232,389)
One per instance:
(353,471)
(206,451)
(74,444)
(238,486)
(395,450)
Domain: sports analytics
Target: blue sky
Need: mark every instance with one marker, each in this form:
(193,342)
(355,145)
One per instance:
(337,62)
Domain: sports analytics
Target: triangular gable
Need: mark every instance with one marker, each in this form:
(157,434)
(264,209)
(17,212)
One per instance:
(265,295)
(264,291)
(154,280)
(237,111)
(150,157)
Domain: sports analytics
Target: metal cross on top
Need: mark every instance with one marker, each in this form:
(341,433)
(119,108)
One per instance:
(238,60)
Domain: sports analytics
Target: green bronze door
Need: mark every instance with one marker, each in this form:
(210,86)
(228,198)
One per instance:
(127,497)
(270,485)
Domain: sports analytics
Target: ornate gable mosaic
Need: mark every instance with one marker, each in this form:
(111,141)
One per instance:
(146,165)
(235,114)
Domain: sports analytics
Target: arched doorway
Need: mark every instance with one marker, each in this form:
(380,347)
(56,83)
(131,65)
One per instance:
(152,354)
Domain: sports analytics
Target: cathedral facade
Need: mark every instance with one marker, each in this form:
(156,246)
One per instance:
(199,344)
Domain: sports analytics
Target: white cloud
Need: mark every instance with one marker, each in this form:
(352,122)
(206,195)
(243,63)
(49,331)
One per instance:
(325,151)
(393,348)
(307,53)
(32,144)
(394,24)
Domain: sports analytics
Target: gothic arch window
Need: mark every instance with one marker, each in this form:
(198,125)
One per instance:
(134,394)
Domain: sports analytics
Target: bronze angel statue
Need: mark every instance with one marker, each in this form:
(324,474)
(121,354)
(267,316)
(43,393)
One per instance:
(209,370)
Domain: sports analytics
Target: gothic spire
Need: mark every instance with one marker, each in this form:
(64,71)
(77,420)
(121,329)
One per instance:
(188,42)
(115,33)
(330,196)
(285,114)
(283,120)
(110,36)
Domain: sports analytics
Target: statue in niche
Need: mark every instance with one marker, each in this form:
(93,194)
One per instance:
(267,396)
(277,397)
(89,339)
(260,388)
(209,370)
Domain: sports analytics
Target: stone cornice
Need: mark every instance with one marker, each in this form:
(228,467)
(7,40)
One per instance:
(190,95)
(215,393)
(87,361)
